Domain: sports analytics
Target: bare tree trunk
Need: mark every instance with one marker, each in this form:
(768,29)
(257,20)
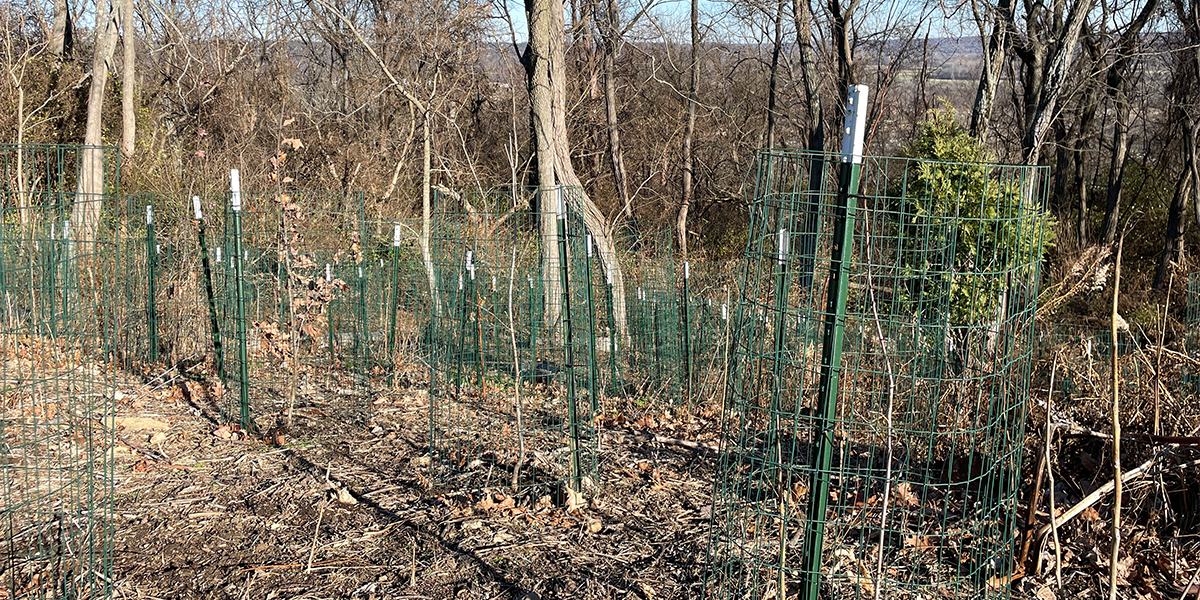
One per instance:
(86,211)
(1119,87)
(772,84)
(63,32)
(1176,224)
(1087,119)
(128,113)
(1116,168)
(689,132)
(548,104)
(993,66)
(609,27)
(844,52)
(1050,86)
(803,17)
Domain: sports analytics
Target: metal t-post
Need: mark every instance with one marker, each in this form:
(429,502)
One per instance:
(687,331)
(834,328)
(235,201)
(614,385)
(391,347)
(213,322)
(593,376)
(151,283)
(569,342)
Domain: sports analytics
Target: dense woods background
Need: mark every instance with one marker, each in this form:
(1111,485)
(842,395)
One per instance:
(663,112)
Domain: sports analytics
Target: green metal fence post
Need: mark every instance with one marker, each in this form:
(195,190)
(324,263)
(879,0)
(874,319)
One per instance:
(235,200)
(687,330)
(591,318)
(834,329)
(569,350)
(213,322)
(329,317)
(612,337)
(395,304)
(151,283)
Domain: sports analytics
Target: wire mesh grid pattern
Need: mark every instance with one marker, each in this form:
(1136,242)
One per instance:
(56,382)
(885,335)
(514,373)
(290,281)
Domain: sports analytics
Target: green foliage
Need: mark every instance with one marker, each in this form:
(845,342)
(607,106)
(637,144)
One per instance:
(967,224)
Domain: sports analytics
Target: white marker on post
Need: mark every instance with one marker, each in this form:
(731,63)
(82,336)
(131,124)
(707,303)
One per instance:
(687,273)
(724,312)
(589,245)
(235,190)
(855,125)
(196,208)
(328,273)
(66,230)
(783,243)
(360,271)
(396,236)
(560,204)
(218,254)
(149,214)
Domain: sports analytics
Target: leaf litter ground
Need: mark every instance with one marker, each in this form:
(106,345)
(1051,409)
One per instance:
(333,508)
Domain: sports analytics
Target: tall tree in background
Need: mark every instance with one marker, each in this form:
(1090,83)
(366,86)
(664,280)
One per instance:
(62,33)
(548,106)
(1047,50)
(608,24)
(689,131)
(128,112)
(773,79)
(1000,17)
(86,211)
(1117,79)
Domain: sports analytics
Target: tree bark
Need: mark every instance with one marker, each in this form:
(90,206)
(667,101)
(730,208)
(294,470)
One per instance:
(609,27)
(85,213)
(63,31)
(128,112)
(1119,87)
(1050,87)
(993,66)
(840,29)
(1176,224)
(1087,119)
(548,104)
(773,81)
(803,17)
(689,131)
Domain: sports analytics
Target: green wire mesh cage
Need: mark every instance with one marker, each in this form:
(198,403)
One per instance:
(290,288)
(514,368)
(879,376)
(57,261)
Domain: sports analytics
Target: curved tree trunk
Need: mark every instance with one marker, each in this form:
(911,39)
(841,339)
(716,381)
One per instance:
(548,104)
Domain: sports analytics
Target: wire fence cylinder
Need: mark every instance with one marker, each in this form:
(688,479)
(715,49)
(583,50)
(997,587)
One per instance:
(879,376)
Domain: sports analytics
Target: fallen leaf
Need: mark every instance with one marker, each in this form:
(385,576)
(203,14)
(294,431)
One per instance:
(223,433)
(345,497)
(575,501)
(594,525)
(1089,514)
(158,438)
(1045,593)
